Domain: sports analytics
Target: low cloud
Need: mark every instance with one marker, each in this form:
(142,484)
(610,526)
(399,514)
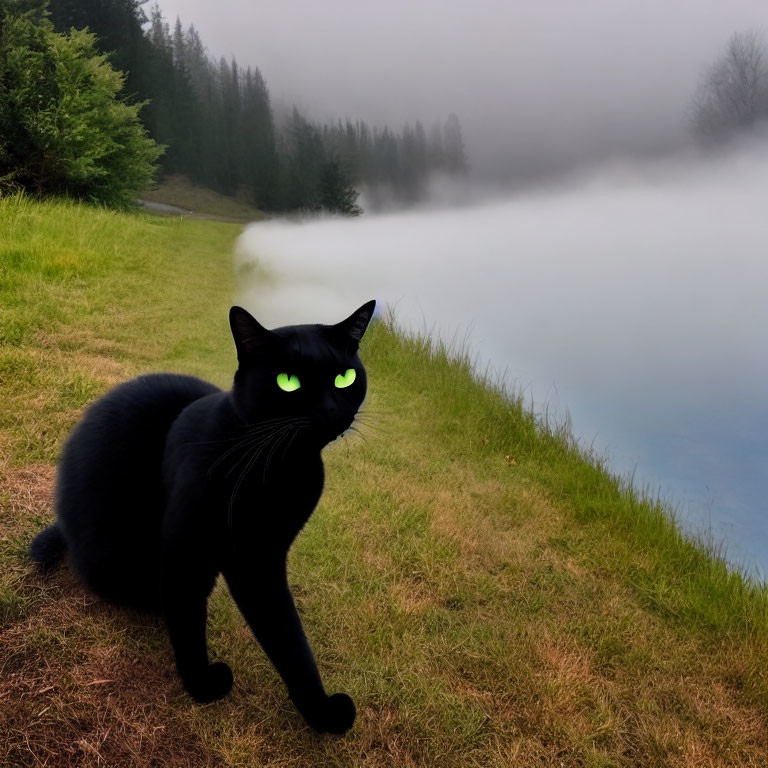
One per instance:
(635,297)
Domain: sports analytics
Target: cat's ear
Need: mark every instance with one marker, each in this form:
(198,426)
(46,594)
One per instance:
(250,336)
(355,325)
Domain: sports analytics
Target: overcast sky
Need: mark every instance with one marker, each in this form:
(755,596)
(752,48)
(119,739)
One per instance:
(534,83)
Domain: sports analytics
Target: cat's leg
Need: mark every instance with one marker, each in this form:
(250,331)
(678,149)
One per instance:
(263,597)
(185,604)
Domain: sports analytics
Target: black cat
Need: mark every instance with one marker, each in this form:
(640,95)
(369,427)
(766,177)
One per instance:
(168,481)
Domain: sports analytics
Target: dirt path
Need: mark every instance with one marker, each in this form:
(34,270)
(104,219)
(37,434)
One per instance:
(164,209)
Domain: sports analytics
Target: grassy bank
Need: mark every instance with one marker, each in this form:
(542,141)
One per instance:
(487,596)
(179,191)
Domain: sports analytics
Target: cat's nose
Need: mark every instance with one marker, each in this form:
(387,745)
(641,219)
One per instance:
(326,416)
(327,421)
(327,408)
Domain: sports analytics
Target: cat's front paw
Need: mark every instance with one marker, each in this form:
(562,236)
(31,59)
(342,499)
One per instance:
(334,714)
(213,684)
(340,713)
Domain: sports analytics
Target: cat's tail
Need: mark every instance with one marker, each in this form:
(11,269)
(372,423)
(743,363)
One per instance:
(48,547)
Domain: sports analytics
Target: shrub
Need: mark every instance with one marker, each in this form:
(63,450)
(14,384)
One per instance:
(63,126)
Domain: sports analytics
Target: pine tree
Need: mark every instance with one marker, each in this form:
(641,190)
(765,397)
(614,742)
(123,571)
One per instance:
(453,146)
(301,164)
(413,168)
(259,141)
(179,45)
(436,148)
(336,192)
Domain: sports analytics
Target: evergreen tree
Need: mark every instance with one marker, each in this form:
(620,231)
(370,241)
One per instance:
(350,150)
(453,146)
(259,140)
(159,34)
(365,148)
(179,46)
(386,159)
(301,163)
(413,169)
(336,192)
(65,129)
(436,148)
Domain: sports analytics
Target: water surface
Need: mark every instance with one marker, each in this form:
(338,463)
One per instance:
(637,299)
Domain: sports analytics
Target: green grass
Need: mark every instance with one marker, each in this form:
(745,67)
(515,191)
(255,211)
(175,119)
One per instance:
(179,191)
(488,594)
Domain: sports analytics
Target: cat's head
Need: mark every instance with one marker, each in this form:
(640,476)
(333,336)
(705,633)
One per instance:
(311,373)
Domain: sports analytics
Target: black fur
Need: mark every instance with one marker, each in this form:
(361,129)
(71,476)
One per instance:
(168,481)
(48,547)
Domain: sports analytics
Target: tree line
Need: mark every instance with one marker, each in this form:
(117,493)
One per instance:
(211,120)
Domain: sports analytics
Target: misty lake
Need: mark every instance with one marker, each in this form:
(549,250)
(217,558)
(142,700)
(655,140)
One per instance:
(634,299)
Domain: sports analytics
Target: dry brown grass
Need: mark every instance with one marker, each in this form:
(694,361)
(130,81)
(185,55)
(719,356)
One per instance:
(68,698)
(70,692)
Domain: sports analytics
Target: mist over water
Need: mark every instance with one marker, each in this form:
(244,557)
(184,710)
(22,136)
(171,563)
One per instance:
(635,298)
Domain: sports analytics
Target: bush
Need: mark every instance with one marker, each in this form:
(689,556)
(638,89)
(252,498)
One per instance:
(63,127)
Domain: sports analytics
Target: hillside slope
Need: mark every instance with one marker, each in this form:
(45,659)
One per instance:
(487,595)
(201,202)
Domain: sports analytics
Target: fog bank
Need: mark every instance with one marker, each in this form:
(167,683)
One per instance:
(635,298)
(539,87)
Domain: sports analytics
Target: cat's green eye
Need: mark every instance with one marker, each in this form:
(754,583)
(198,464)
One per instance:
(288,383)
(345,379)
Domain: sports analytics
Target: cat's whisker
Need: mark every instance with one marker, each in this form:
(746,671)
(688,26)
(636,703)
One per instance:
(272,451)
(242,439)
(252,446)
(369,426)
(374,412)
(357,432)
(383,415)
(254,436)
(246,430)
(367,423)
(225,455)
(273,441)
(246,442)
(253,457)
(283,419)
(290,442)
(255,449)
(271,427)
